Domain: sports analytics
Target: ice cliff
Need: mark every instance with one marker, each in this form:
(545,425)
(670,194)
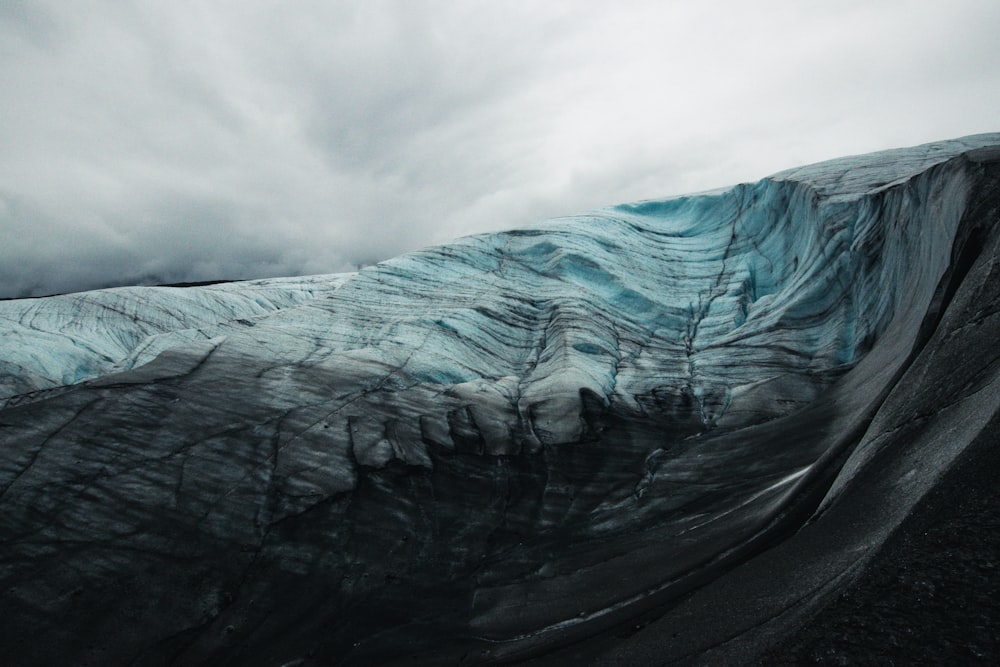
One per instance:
(511,445)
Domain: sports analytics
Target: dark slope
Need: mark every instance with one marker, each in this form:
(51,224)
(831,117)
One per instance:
(947,400)
(930,596)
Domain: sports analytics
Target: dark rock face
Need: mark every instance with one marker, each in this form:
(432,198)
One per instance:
(666,432)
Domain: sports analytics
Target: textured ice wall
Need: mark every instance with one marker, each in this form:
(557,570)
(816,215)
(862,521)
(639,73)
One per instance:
(62,340)
(510,440)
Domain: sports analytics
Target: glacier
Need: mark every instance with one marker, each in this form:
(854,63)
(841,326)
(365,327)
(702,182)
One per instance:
(62,340)
(657,416)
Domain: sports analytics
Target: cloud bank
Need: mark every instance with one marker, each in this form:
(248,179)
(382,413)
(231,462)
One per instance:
(166,142)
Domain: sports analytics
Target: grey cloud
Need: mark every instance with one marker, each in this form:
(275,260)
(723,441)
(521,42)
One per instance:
(201,140)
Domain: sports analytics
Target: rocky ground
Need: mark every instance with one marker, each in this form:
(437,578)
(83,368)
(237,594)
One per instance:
(932,596)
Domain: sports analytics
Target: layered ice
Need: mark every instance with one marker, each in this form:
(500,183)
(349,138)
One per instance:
(61,340)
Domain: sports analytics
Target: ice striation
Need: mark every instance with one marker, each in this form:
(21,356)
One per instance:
(61,340)
(510,446)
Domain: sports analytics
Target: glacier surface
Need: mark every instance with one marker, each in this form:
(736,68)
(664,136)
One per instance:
(62,340)
(498,447)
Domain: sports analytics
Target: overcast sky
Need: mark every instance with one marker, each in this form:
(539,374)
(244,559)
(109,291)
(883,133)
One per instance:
(184,140)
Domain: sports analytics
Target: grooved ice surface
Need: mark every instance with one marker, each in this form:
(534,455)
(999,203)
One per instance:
(62,340)
(504,443)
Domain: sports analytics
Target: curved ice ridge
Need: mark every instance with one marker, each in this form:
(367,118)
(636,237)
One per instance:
(500,444)
(720,309)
